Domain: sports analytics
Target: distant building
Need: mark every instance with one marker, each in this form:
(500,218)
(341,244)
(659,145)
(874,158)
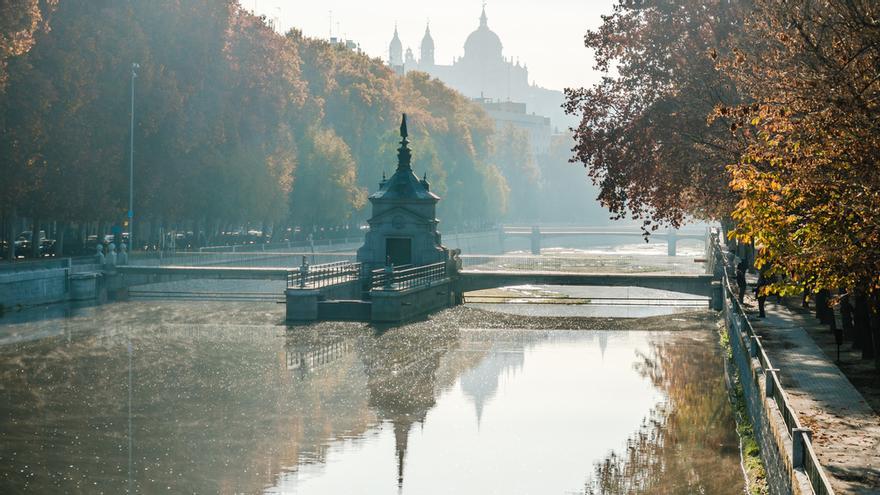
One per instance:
(483,72)
(512,113)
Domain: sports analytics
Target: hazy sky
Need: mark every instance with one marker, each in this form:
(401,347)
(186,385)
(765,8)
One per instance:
(547,35)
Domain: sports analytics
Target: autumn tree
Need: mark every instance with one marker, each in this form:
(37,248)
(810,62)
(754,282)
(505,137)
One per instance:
(643,135)
(809,179)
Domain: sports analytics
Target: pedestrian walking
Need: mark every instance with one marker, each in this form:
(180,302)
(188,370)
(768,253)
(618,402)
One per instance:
(763,280)
(741,280)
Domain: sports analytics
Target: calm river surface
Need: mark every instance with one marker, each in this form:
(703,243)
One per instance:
(225,399)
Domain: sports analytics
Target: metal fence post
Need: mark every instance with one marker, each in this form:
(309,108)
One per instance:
(303,271)
(798,447)
(389,276)
(769,379)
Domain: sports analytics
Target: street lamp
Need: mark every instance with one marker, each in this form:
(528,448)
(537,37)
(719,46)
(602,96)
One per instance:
(134,68)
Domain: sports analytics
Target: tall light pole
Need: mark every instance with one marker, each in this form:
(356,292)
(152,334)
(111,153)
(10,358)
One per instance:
(134,68)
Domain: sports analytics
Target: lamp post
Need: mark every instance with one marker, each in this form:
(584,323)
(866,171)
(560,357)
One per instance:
(134,68)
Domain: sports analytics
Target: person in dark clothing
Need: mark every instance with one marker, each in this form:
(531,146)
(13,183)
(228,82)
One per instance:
(763,280)
(741,280)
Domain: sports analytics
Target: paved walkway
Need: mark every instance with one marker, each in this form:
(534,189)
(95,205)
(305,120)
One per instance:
(846,430)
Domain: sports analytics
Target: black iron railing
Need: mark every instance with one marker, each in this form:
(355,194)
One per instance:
(407,277)
(317,276)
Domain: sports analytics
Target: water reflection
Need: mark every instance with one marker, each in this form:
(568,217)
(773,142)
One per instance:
(342,408)
(679,444)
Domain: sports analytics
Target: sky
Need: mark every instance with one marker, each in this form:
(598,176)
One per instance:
(546,35)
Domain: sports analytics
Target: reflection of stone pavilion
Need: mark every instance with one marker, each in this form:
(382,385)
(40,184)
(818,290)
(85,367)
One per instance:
(401,369)
(403,227)
(480,384)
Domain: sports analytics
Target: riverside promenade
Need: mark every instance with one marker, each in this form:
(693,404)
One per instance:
(845,428)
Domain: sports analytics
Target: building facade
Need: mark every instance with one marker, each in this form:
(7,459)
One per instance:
(483,73)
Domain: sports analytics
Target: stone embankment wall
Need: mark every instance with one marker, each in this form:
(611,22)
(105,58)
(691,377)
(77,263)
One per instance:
(766,418)
(42,282)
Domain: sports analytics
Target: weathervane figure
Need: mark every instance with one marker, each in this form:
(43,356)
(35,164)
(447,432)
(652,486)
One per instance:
(404,155)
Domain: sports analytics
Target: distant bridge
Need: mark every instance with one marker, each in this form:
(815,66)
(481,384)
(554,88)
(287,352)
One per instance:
(694,284)
(537,234)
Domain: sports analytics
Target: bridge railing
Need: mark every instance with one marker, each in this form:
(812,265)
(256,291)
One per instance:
(748,339)
(407,278)
(327,274)
(587,264)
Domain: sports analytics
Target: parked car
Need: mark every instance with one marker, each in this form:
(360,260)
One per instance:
(23,244)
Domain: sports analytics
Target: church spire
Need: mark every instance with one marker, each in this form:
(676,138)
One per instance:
(395,49)
(404,155)
(484,21)
(427,54)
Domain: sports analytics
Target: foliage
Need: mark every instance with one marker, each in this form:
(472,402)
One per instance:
(234,123)
(513,155)
(808,181)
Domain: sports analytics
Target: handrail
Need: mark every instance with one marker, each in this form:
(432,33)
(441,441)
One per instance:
(407,278)
(810,462)
(324,275)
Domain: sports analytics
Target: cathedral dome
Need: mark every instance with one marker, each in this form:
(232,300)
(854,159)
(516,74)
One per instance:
(483,43)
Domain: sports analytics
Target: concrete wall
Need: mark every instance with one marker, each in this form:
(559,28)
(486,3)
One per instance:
(33,286)
(313,304)
(395,306)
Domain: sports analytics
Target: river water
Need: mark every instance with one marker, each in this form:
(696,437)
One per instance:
(621,393)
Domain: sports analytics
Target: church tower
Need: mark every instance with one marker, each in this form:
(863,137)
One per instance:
(427,54)
(395,50)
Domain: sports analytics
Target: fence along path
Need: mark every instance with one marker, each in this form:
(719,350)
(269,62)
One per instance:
(846,431)
(838,431)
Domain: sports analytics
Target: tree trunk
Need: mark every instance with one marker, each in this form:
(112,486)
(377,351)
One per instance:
(11,231)
(862,325)
(822,310)
(874,325)
(59,240)
(846,315)
(35,239)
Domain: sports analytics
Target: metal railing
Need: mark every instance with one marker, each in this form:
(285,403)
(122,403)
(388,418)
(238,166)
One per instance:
(401,278)
(318,276)
(808,460)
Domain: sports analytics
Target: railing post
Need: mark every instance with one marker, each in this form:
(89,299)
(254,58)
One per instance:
(769,381)
(798,445)
(754,346)
(303,271)
(389,276)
